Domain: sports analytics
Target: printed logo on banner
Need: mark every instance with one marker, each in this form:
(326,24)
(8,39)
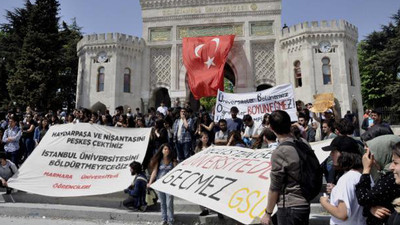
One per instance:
(82,159)
(256,104)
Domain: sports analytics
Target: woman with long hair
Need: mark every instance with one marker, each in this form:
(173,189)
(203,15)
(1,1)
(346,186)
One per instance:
(235,139)
(203,143)
(161,163)
(41,130)
(343,204)
(206,125)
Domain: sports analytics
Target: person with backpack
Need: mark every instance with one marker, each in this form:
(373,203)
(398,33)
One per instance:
(285,189)
(7,170)
(136,191)
(342,203)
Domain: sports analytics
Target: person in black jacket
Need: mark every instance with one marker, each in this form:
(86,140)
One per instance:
(136,191)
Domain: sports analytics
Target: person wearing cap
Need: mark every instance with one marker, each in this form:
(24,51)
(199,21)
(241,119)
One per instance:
(234,123)
(342,203)
(284,190)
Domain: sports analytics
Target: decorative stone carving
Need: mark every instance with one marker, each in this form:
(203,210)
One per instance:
(158,4)
(160,34)
(263,63)
(261,28)
(160,67)
(213,15)
(198,31)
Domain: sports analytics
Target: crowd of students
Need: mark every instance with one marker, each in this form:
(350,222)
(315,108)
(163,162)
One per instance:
(179,132)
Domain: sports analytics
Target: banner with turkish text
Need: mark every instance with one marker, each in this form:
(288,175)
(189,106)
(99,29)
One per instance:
(204,59)
(256,104)
(230,180)
(82,159)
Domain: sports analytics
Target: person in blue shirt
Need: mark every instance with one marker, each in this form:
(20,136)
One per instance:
(11,139)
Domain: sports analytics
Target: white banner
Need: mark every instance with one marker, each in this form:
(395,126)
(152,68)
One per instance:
(256,104)
(82,159)
(233,181)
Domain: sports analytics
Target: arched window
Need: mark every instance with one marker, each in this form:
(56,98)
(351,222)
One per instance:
(297,74)
(351,73)
(326,71)
(127,80)
(100,79)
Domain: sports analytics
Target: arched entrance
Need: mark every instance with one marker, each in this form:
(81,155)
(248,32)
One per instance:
(229,83)
(161,95)
(263,87)
(99,107)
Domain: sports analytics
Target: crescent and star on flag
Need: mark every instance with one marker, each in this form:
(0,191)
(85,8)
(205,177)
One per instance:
(210,61)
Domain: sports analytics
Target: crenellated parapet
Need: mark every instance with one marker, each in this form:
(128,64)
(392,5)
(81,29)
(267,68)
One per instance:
(159,4)
(111,40)
(333,28)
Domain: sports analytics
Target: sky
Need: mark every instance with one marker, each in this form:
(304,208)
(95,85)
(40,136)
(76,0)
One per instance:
(124,16)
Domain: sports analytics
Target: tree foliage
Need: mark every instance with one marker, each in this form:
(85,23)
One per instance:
(379,61)
(39,58)
(209,102)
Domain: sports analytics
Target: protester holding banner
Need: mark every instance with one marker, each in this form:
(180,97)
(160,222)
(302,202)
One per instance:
(7,170)
(285,190)
(161,163)
(136,191)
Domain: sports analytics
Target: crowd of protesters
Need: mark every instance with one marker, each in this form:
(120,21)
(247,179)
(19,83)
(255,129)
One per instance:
(354,166)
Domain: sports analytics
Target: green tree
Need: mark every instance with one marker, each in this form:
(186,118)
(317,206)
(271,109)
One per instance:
(66,92)
(209,102)
(34,81)
(379,61)
(38,58)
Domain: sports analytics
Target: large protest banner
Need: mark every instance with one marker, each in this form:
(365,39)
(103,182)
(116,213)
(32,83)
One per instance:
(231,180)
(256,104)
(82,159)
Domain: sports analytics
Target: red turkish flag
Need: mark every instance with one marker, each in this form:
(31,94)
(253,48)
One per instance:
(204,59)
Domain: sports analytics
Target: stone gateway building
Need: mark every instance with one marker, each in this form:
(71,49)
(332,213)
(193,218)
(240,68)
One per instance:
(316,57)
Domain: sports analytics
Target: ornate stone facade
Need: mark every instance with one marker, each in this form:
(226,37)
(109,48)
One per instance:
(263,54)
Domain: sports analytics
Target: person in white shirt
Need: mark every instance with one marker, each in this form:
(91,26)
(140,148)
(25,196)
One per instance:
(343,204)
(162,109)
(250,132)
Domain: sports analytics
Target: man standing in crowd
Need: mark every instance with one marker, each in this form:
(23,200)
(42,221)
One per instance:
(234,123)
(303,121)
(221,137)
(284,190)
(183,135)
(162,108)
(11,139)
(376,116)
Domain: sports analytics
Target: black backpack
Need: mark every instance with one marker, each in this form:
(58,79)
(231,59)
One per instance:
(310,170)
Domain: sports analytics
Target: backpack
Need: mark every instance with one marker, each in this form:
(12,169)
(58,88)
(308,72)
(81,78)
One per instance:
(310,170)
